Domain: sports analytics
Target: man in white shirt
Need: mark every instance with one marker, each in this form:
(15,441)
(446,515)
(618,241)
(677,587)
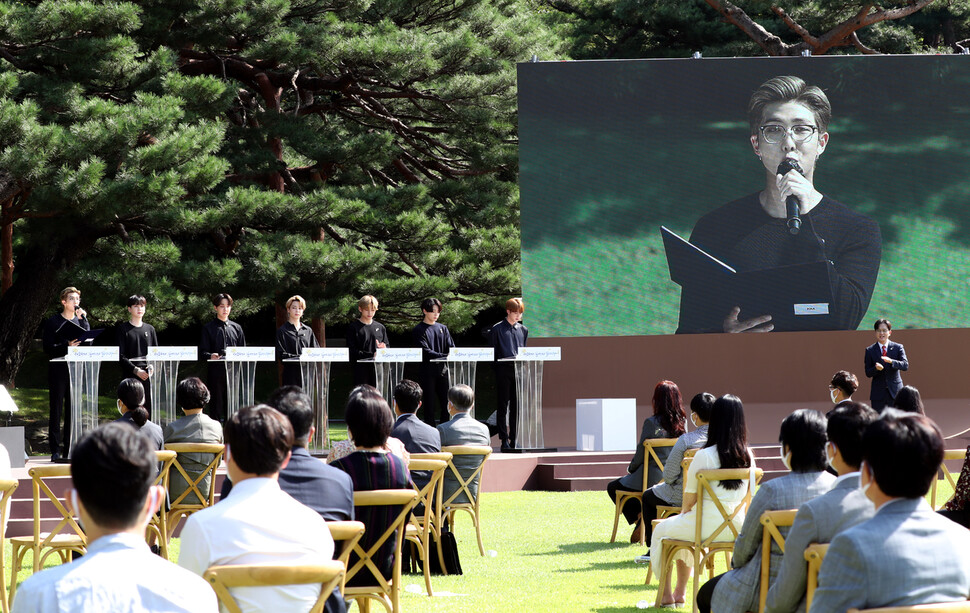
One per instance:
(112,470)
(259,523)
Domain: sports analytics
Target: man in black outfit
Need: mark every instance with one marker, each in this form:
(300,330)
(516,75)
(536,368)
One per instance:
(61,332)
(506,337)
(134,339)
(364,337)
(435,341)
(216,336)
(884,360)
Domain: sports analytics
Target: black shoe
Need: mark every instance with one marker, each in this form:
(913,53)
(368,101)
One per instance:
(156,549)
(60,459)
(55,458)
(506,447)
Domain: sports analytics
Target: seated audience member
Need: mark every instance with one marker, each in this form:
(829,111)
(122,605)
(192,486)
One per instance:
(112,469)
(819,520)
(417,436)
(342,449)
(194,426)
(802,439)
(372,467)
(842,386)
(957,508)
(131,396)
(323,488)
(670,491)
(462,429)
(908,399)
(259,523)
(668,421)
(906,554)
(726,447)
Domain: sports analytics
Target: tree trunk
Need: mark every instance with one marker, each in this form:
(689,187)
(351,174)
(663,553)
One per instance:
(25,305)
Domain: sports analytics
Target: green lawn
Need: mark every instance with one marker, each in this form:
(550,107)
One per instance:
(552,553)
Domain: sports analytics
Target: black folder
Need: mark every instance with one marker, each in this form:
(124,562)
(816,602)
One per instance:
(798,296)
(70,331)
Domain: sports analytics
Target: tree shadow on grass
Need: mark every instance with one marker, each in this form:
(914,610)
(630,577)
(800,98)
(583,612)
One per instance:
(590,547)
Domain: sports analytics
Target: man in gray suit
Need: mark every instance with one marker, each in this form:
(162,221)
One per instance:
(819,520)
(193,427)
(417,436)
(802,440)
(906,554)
(462,429)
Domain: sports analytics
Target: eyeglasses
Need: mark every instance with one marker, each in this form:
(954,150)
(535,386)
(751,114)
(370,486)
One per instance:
(774,133)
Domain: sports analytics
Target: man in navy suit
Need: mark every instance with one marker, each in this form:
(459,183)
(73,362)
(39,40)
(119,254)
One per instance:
(325,489)
(417,436)
(884,361)
(906,554)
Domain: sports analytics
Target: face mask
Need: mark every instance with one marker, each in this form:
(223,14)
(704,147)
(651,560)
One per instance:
(120,412)
(74,504)
(864,488)
(787,460)
(153,495)
(833,394)
(829,456)
(693,419)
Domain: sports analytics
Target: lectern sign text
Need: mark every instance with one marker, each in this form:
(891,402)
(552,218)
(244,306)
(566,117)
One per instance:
(92,354)
(250,354)
(173,353)
(325,354)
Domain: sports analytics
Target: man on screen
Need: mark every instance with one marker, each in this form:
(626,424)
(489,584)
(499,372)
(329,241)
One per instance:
(789,121)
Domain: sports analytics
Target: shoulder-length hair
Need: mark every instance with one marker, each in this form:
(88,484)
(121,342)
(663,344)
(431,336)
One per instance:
(668,407)
(728,433)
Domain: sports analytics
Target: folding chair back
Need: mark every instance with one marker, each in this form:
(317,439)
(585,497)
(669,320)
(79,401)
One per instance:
(467,485)
(345,536)
(221,578)
(948,454)
(814,554)
(7,488)
(722,538)
(65,537)
(771,522)
(366,551)
(183,505)
(421,528)
(650,456)
(158,525)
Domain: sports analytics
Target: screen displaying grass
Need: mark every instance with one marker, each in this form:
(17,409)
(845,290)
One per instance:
(610,151)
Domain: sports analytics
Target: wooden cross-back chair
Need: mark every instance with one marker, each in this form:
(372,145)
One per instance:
(65,537)
(665,511)
(961,606)
(721,539)
(650,456)
(385,591)
(7,488)
(772,522)
(157,528)
(345,535)
(182,505)
(221,578)
(421,529)
(450,505)
(814,554)
(948,454)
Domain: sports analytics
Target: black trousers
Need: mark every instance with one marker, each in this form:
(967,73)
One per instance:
(507,401)
(59,385)
(650,501)
(219,392)
(434,385)
(631,508)
(961,517)
(365,373)
(705,593)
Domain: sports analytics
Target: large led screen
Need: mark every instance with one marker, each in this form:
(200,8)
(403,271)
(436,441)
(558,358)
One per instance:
(611,152)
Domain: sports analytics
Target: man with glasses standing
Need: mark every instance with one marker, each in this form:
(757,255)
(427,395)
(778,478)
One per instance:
(789,121)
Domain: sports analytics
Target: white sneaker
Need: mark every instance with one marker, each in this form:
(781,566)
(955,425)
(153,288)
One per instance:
(644,559)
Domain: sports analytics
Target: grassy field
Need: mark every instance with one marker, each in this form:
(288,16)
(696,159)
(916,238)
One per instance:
(552,553)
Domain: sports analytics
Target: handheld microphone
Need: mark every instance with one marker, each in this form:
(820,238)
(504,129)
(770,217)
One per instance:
(791,202)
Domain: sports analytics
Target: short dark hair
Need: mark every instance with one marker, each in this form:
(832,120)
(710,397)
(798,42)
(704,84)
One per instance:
(908,399)
(112,468)
(428,305)
(803,432)
(258,437)
(407,395)
(136,300)
(191,394)
(369,419)
(218,298)
(879,322)
(845,381)
(904,452)
(845,427)
(462,397)
(789,89)
(131,393)
(702,404)
(295,404)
